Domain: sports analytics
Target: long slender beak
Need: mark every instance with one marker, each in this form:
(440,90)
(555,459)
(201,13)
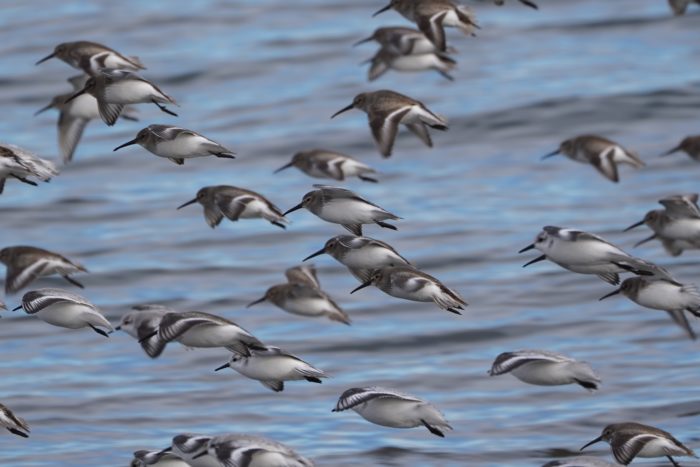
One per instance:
(370,38)
(313,255)
(614,292)
(77,94)
(48,57)
(536,260)
(192,201)
(362,286)
(285,166)
(633,226)
(260,300)
(551,154)
(527,248)
(344,109)
(225,365)
(128,143)
(295,208)
(43,109)
(378,12)
(18,308)
(163,451)
(597,440)
(118,328)
(668,153)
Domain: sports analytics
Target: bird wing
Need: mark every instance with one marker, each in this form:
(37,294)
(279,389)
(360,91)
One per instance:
(355,396)
(37,300)
(303,275)
(628,449)
(420,129)
(70,130)
(20,275)
(681,205)
(232,206)
(109,112)
(433,29)
(384,126)
(509,361)
(151,343)
(604,163)
(174,325)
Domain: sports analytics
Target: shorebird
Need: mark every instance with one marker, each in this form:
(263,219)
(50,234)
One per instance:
(320,163)
(524,2)
(92,57)
(586,253)
(599,152)
(272,367)
(344,207)
(386,59)
(690,145)
(432,16)
(387,109)
(13,423)
(142,324)
(115,89)
(401,40)
(64,309)
(545,368)
(663,294)
(629,440)
(409,283)
(581,461)
(387,407)
(177,144)
(240,450)
(192,448)
(75,115)
(25,264)
(361,255)
(21,164)
(679,6)
(235,203)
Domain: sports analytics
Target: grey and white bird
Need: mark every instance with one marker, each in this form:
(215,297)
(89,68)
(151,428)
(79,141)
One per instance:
(64,309)
(387,407)
(321,163)
(25,264)
(344,207)
(409,283)
(401,40)
(387,109)
(21,164)
(680,6)
(361,255)
(544,368)
(601,153)
(303,297)
(235,203)
(524,2)
(432,16)
(145,458)
(387,59)
(629,440)
(75,115)
(272,367)
(663,294)
(115,89)
(690,145)
(192,448)
(13,423)
(142,323)
(205,330)
(177,144)
(92,57)
(241,450)
(586,253)
(581,461)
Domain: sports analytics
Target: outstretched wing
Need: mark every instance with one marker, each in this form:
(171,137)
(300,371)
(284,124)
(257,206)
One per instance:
(627,450)
(174,325)
(509,361)
(681,205)
(356,396)
(37,300)
(384,126)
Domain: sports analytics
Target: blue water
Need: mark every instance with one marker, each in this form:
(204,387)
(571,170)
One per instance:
(263,78)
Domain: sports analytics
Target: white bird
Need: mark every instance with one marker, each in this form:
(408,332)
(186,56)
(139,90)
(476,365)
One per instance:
(239,450)
(321,163)
(13,423)
(21,164)
(142,324)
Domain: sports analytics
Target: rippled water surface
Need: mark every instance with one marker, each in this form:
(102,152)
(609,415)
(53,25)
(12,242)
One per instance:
(263,77)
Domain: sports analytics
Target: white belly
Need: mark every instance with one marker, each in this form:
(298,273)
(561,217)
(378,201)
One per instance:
(371,257)
(182,147)
(663,296)
(307,306)
(544,373)
(682,229)
(416,62)
(345,211)
(255,209)
(275,368)
(660,447)
(390,412)
(205,335)
(130,92)
(84,106)
(66,315)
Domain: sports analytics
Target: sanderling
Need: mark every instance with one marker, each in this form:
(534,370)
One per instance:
(690,145)
(387,407)
(629,440)
(235,203)
(581,461)
(320,163)
(65,309)
(545,368)
(272,367)
(599,152)
(142,323)
(402,40)
(387,109)
(13,423)
(25,264)
(240,450)
(344,207)
(19,163)
(192,448)
(92,57)
(409,283)
(177,144)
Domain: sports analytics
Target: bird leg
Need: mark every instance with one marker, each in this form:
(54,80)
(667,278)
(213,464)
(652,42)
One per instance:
(164,109)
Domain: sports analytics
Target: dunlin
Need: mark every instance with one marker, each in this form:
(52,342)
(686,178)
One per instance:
(272,367)
(235,203)
(409,283)
(629,440)
(320,163)
(25,264)
(21,164)
(386,59)
(192,448)
(387,109)
(663,294)
(64,309)
(690,145)
(582,461)
(545,368)
(117,88)
(13,423)
(92,57)
(361,255)
(401,40)
(586,253)
(177,144)
(142,324)
(599,152)
(344,207)
(432,16)
(144,458)
(387,407)
(679,6)
(240,450)
(524,2)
